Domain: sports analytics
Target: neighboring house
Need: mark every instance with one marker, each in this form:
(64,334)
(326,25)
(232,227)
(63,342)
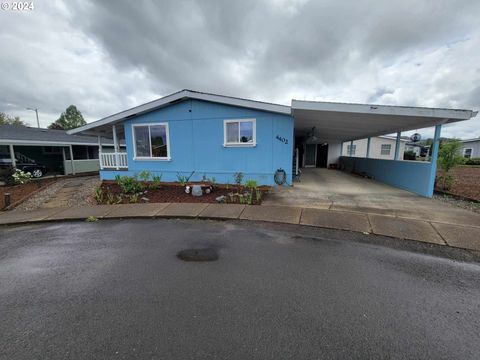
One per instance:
(471,148)
(381,147)
(217,136)
(60,152)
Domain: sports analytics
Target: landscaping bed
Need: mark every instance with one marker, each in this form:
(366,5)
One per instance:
(113,193)
(22,191)
(466,182)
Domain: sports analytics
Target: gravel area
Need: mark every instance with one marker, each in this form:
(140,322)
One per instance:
(82,194)
(467,205)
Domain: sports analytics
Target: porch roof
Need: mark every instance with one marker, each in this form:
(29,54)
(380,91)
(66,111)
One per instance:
(343,122)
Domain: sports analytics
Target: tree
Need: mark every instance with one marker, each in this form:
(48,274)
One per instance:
(10,120)
(71,118)
(448,157)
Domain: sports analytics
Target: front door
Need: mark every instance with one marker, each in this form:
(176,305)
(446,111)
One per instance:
(310,155)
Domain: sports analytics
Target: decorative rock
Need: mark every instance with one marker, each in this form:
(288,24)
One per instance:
(220,199)
(187,189)
(145,199)
(197,190)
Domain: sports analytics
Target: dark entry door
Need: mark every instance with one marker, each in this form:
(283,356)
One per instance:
(322,155)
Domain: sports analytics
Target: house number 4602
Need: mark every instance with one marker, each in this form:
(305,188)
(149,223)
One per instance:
(282,139)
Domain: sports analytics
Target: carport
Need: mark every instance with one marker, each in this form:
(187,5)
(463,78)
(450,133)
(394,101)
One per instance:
(325,126)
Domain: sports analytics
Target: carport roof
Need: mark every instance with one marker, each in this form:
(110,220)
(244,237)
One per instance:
(23,135)
(344,122)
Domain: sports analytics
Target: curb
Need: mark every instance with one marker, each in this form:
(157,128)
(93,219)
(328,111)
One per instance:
(106,216)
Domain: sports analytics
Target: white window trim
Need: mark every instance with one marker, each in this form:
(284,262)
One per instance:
(151,158)
(240,144)
(471,152)
(389,149)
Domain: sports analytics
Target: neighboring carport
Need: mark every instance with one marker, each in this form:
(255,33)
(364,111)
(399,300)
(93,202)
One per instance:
(336,123)
(60,152)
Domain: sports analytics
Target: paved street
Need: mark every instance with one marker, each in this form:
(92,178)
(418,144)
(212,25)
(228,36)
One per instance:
(115,289)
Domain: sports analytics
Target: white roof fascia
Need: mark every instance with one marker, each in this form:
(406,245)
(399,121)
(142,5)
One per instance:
(283,109)
(456,114)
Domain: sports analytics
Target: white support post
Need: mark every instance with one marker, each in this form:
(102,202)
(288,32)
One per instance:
(100,152)
(433,160)
(351,149)
(115,147)
(397,146)
(12,156)
(71,160)
(368,147)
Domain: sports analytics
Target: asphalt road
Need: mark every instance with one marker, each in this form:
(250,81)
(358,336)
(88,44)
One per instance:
(116,290)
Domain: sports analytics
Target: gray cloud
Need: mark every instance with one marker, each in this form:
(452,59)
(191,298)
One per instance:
(106,56)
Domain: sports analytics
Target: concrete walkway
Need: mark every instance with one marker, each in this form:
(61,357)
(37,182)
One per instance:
(443,231)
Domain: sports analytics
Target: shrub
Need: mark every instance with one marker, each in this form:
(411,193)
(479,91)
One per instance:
(129,184)
(144,175)
(21,177)
(448,157)
(447,181)
(473,161)
(251,184)
(258,196)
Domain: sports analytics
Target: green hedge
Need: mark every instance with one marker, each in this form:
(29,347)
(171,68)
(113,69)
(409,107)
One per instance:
(473,161)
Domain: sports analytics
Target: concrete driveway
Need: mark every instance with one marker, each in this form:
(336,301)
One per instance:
(338,190)
(116,290)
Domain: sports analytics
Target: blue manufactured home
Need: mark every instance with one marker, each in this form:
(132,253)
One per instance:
(211,139)
(217,136)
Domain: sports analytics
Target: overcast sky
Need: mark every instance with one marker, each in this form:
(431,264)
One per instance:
(107,56)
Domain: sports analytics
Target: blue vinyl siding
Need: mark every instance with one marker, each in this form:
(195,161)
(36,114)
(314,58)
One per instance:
(196,144)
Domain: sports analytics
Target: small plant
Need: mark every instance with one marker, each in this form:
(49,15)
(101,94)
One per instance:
(144,175)
(134,198)
(110,199)
(213,181)
(258,196)
(98,195)
(449,157)
(250,198)
(238,178)
(251,184)
(91,219)
(183,180)
(156,182)
(21,177)
(119,199)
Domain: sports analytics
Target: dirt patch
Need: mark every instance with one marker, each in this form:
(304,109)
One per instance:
(176,194)
(466,182)
(19,192)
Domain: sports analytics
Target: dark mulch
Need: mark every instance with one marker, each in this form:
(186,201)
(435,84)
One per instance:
(18,192)
(466,183)
(176,194)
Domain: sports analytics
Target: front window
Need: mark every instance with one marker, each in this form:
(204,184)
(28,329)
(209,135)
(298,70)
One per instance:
(239,132)
(467,153)
(385,149)
(351,149)
(151,141)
